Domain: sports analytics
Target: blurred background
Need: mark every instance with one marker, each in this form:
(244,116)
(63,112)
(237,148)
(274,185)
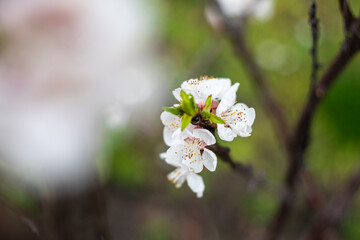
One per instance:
(82,84)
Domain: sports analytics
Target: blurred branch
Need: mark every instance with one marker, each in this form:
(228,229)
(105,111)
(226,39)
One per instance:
(295,141)
(242,50)
(314,24)
(331,214)
(300,139)
(245,171)
(205,57)
(77,216)
(347,15)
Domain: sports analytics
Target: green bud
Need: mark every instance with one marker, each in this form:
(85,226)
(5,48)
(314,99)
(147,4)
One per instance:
(188,104)
(173,110)
(216,119)
(208,103)
(185,121)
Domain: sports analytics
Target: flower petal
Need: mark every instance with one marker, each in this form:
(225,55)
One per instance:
(225,133)
(217,87)
(204,135)
(176,94)
(196,184)
(250,113)
(163,155)
(168,136)
(192,159)
(209,159)
(228,100)
(174,155)
(202,88)
(241,129)
(178,176)
(167,118)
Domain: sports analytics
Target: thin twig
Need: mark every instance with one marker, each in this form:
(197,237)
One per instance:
(301,135)
(245,171)
(347,15)
(331,214)
(314,24)
(296,141)
(242,50)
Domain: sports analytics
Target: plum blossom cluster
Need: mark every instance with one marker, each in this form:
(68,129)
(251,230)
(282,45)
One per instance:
(206,105)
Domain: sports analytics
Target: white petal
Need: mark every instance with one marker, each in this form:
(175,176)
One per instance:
(168,136)
(176,94)
(168,118)
(178,176)
(193,160)
(187,133)
(228,100)
(174,155)
(217,87)
(177,134)
(241,129)
(196,184)
(204,135)
(225,133)
(163,155)
(209,159)
(250,114)
(202,88)
(242,126)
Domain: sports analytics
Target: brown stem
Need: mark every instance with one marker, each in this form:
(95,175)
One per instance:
(242,51)
(331,214)
(314,24)
(77,216)
(246,171)
(301,135)
(347,15)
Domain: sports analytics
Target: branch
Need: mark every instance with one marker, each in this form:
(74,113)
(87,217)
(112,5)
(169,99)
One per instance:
(314,24)
(242,50)
(331,214)
(345,55)
(347,15)
(245,171)
(300,139)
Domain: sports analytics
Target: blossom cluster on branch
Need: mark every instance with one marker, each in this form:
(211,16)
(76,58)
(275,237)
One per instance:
(206,104)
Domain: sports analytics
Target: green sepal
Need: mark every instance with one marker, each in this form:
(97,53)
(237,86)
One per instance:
(188,103)
(185,121)
(205,114)
(173,110)
(216,119)
(208,103)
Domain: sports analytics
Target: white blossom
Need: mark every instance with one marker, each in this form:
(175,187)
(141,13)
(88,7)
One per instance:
(202,88)
(172,128)
(192,151)
(62,63)
(182,174)
(238,117)
(261,9)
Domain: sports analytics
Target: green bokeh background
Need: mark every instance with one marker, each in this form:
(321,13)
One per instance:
(231,209)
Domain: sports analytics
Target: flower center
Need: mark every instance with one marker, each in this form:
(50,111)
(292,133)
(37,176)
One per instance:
(233,116)
(214,105)
(175,124)
(193,149)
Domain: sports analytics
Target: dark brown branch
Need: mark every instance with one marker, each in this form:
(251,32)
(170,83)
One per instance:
(331,214)
(314,24)
(300,139)
(295,142)
(245,171)
(347,15)
(76,216)
(345,55)
(242,50)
